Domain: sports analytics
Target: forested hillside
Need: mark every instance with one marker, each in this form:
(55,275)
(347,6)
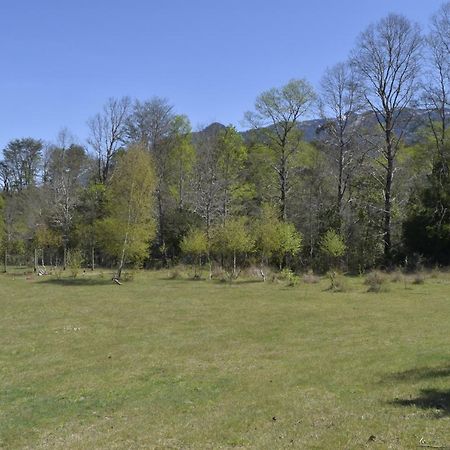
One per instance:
(353,173)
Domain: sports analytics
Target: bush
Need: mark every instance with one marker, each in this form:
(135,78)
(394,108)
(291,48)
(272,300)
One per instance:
(217,273)
(396,276)
(418,278)
(129,275)
(289,276)
(376,281)
(57,271)
(74,262)
(338,282)
(332,246)
(310,278)
(176,274)
(257,272)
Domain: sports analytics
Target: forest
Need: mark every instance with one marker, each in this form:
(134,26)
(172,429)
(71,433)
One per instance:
(365,184)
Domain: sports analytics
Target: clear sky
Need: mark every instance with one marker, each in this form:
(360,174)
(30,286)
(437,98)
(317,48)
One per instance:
(61,59)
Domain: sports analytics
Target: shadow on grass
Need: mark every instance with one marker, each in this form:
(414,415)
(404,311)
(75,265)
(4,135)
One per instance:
(429,399)
(436,401)
(421,373)
(78,281)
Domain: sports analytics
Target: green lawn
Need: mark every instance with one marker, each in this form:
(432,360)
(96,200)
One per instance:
(159,363)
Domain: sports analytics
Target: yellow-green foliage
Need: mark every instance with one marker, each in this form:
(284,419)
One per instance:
(332,244)
(130,226)
(274,237)
(195,243)
(46,237)
(233,237)
(74,261)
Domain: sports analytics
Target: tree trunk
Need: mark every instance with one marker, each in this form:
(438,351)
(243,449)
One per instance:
(64,254)
(122,258)
(340,193)
(93,257)
(388,197)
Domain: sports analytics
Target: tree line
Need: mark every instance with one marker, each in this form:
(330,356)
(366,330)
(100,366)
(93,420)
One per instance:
(147,190)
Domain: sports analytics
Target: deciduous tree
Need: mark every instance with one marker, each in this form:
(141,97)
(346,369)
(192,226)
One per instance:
(387,58)
(276,116)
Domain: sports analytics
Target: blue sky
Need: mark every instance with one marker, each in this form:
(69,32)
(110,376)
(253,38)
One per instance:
(61,59)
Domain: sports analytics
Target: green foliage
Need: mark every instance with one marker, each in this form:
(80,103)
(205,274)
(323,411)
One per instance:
(232,240)
(332,244)
(129,228)
(113,239)
(275,238)
(427,229)
(45,237)
(196,245)
(74,261)
(290,240)
(289,276)
(233,237)
(182,158)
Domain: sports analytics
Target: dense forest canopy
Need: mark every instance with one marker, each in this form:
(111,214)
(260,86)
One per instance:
(365,184)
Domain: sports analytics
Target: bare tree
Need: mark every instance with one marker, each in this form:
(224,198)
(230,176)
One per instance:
(276,115)
(67,171)
(341,100)
(108,132)
(437,85)
(387,59)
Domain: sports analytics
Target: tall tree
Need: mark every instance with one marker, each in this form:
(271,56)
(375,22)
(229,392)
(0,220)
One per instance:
(387,58)
(437,86)
(181,161)
(126,233)
(108,133)
(21,163)
(341,101)
(218,182)
(67,171)
(276,115)
(153,125)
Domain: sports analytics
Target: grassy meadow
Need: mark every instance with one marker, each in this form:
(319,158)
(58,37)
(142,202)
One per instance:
(162,363)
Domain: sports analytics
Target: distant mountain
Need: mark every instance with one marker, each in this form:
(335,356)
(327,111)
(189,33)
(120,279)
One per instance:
(413,120)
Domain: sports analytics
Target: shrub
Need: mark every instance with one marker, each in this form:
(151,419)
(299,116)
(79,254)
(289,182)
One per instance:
(310,278)
(338,282)
(217,273)
(435,272)
(129,275)
(289,276)
(257,272)
(332,246)
(376,281)
(418,278)
(175,274)
(396,276)
(57,271)
(74,262)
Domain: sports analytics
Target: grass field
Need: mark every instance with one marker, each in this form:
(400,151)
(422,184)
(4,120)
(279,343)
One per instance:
(158,363)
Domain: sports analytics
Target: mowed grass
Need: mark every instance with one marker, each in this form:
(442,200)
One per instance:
(159,363)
